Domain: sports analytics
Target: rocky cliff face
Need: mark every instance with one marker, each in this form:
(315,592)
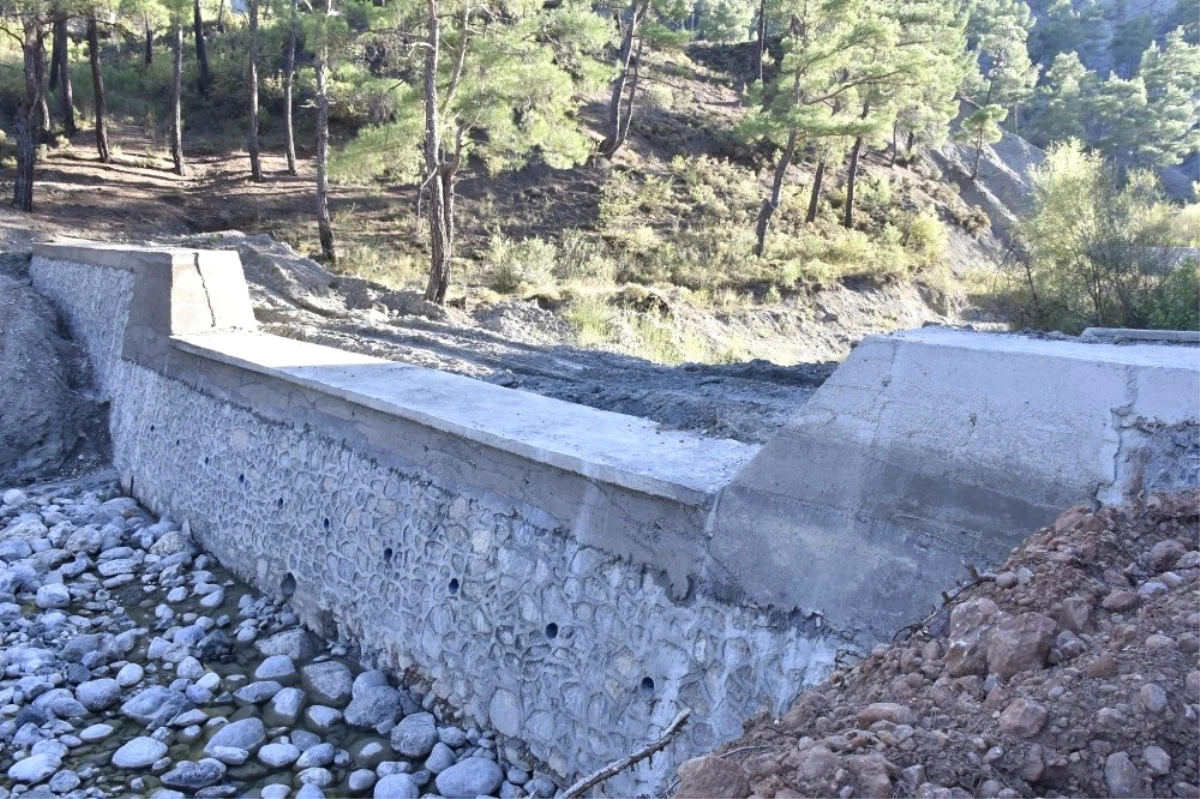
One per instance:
(49,424)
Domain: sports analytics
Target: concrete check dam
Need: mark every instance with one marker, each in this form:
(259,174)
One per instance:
(575,577)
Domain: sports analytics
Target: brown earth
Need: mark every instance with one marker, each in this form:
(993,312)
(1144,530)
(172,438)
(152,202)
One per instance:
(516,343)
(1070,671)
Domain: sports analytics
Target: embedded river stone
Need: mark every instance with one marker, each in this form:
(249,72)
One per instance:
(137,687)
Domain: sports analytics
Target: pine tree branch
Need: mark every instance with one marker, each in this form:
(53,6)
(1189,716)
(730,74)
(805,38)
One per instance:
(616,767)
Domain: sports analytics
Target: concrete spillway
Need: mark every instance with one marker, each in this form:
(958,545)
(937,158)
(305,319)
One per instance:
(575,577)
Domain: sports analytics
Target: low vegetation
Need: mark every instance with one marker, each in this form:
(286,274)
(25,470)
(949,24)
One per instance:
(1102,252)
(731,154)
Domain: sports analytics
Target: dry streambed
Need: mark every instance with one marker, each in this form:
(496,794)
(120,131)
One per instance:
(133,663)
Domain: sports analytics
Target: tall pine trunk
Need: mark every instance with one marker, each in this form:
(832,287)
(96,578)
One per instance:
(93,37)
(61,60)
(289,87)
(441,201)
(149,58)
(761,33)
(852,178)
(771,204)
(205,80)
(324,224)
(221,17)
(851,182)
(252,88)
(814,199)
(978,153)
(177,101)
(28,117)
(56,45)
(627,117)
(617,108)
(43,102)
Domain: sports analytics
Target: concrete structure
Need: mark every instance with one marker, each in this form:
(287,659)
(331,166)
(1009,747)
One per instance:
(1131,334)
(571,576)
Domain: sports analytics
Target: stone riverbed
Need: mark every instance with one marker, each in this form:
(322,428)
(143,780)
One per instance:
(132,663)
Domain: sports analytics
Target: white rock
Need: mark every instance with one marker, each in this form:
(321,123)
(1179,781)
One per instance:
(397,786)
(141,752)
(130,675)
(279,755)
(33,769)
(96,732)
(53,595)
(277,667)
(15,496)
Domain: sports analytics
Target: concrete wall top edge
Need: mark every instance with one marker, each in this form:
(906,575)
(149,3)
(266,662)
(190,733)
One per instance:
(626,451)
(129,257)
(1148,354)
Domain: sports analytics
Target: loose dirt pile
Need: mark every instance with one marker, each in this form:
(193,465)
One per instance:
(1071,671)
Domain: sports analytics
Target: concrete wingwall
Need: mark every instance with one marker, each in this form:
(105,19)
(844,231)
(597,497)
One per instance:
(933,448)
(575,577)
(552,604)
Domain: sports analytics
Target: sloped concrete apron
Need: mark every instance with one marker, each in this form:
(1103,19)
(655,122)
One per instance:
(576,577)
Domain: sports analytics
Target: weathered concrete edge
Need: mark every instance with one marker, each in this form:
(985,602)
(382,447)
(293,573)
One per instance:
(179,293)
(1180,336)
(659,533)
(686,489)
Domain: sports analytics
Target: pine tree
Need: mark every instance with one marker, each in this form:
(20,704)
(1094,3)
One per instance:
(60,63)
(204,78)
(1062,99)
(805,104)
(289,88)
(850,67)
(252,93)
(29,19)
(997,34)
(178,10)
(1171,127)
(325,32)
(99,100)
(644,27)
(981,127)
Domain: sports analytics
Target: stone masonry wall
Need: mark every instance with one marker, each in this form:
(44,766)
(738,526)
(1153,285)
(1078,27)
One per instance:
(564,648)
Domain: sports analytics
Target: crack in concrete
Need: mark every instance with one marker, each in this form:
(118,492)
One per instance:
(212,314)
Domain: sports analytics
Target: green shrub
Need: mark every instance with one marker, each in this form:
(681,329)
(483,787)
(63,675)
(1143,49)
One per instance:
(1100,253)
(512,265)
(1176,305)
(926,238)
(582,258)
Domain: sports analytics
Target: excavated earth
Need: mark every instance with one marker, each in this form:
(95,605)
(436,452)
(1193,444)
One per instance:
(1070,671)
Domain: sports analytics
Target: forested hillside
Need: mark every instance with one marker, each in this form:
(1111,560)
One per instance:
(615,162)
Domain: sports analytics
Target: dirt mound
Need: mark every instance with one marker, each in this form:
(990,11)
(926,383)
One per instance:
(50,424)
(1071,671)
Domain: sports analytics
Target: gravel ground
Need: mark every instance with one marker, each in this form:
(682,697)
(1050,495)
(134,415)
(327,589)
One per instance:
(133,664)
(1070,671)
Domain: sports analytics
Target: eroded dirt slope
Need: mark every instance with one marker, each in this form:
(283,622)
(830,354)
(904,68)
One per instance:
(1070,671)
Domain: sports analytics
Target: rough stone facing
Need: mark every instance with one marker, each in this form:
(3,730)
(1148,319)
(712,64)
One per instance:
(423,572)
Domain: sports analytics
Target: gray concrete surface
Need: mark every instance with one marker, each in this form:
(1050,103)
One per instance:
(934,448)
(436,551)
(1131,334)
(610,447)
(608,573)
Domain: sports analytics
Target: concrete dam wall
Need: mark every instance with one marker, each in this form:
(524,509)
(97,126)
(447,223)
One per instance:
(575,577)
